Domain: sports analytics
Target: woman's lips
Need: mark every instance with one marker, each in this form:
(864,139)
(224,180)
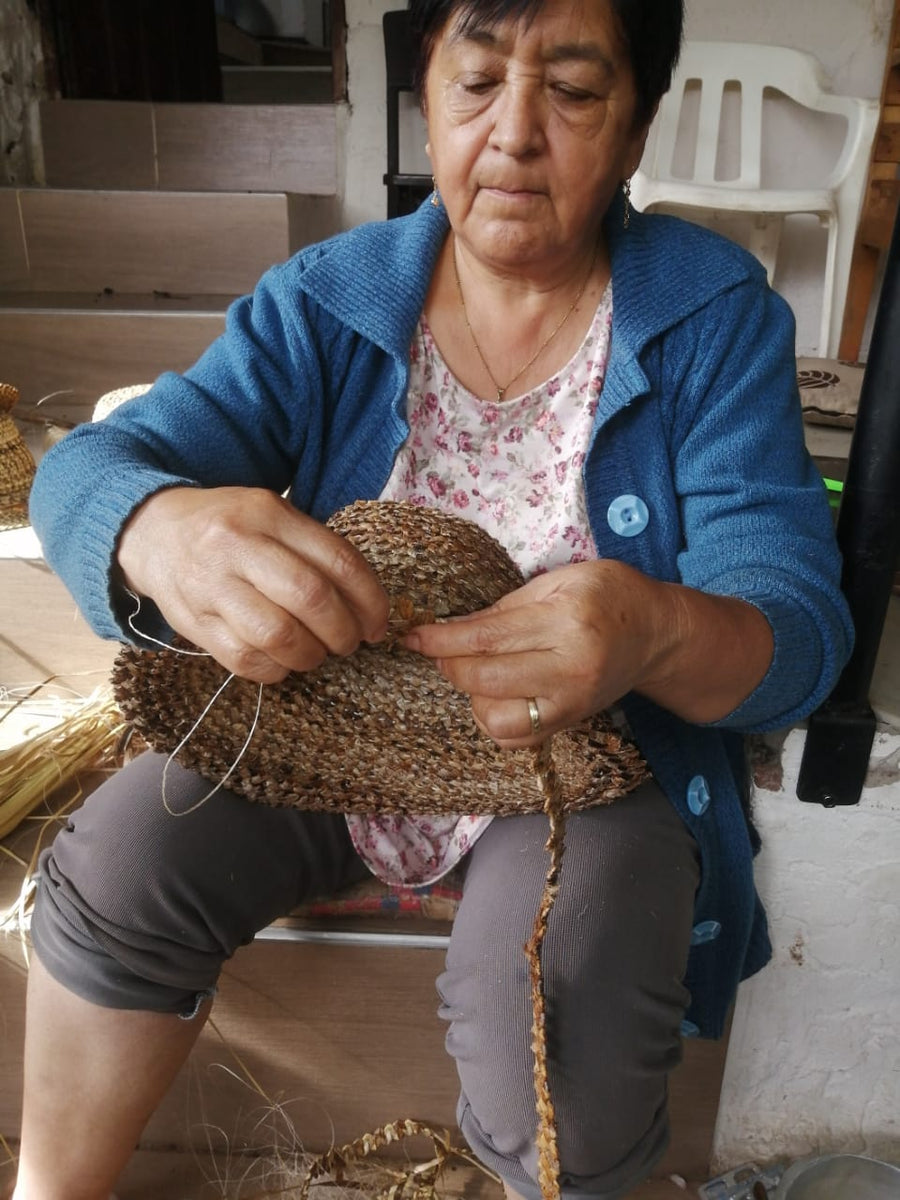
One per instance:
(512,193)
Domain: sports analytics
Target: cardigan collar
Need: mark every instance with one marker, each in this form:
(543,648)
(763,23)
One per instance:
(375,277)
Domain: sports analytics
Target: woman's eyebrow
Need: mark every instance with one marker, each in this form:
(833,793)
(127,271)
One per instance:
(480,34)
(581,52)
(564,52)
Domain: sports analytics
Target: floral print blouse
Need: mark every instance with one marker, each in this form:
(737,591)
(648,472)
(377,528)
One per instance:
(514,468)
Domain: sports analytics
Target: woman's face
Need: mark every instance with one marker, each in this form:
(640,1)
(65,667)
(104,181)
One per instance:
(531,130)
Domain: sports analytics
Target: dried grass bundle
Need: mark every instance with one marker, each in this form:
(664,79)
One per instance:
(417,1181)
(287,1169)
(86,735)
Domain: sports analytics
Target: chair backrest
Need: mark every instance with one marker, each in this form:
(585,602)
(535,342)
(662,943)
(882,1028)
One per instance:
(712,68)
(714,113)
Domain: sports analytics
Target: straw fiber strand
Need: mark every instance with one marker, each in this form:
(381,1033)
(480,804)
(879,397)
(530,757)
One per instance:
(380,730)
(16,465)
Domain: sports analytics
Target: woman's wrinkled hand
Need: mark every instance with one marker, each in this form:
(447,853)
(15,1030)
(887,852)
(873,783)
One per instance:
(239,572)
(575,639)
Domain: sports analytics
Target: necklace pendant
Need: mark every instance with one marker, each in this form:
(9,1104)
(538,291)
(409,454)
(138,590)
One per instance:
(501,392)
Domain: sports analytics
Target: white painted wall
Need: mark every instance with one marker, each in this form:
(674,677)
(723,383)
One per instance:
(814,1057)
(22,86)
(849,37)
(364,127)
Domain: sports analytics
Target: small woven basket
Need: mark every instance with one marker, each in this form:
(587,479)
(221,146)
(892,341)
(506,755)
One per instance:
(16,465)
(379,730)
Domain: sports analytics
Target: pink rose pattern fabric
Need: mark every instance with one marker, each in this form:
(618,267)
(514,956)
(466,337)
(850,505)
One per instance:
(514,468)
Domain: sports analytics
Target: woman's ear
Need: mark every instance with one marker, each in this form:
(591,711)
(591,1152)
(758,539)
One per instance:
(641,135)
(637,146)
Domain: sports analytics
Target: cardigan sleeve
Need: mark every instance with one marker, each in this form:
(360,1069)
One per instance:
(754,512)
(240,415)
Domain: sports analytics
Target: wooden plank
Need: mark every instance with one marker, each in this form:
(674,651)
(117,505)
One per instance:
(338,51)
(863,273)
(233,147)
(13,258)
(877,223)
(694,1090)
(887,143)
(98,144)
(312,219)
(74,357)
(159,303)
(281,85)
(42,634)
(190,147)
(152,241)
(345,1038)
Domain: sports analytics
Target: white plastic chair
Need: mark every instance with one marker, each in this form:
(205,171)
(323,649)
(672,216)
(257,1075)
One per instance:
(663,182)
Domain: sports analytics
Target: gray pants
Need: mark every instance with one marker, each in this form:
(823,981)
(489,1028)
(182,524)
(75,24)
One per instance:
(138,909)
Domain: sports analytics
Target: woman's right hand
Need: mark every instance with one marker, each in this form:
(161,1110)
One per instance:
(241,573)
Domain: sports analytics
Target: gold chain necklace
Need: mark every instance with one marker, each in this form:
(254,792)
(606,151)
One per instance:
(501,391)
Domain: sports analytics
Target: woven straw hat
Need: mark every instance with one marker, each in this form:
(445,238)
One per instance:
(16,465)
(111,400)
(380,730)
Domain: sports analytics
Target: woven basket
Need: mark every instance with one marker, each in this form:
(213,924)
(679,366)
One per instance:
(16,465)
(380,730)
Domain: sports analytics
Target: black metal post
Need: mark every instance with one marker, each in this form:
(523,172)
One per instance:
(841,732)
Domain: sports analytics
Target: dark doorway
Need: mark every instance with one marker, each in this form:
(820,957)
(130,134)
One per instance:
(194,51)
(162,50)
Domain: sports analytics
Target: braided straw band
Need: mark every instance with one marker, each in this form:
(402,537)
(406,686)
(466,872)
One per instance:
(382,731)
(16,465)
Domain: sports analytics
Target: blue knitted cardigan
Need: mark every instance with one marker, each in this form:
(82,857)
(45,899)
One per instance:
(699,418)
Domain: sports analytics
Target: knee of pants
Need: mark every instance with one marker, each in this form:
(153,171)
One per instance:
(139,909)
(612,962)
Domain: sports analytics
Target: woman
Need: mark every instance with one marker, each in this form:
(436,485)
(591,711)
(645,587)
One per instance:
(613,396)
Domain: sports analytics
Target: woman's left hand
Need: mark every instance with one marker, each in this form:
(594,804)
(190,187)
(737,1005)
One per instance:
(574,640)
(577,638)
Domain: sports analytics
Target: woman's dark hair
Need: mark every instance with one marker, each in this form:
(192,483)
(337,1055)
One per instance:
(652,30)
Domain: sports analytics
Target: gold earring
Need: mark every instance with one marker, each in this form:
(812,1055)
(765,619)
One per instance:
(626,192)
(435,195)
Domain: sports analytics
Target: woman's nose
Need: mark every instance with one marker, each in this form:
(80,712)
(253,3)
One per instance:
(518,127)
